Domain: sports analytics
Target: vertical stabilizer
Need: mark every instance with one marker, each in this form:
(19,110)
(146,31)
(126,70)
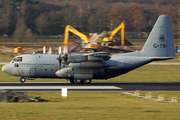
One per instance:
(160,41)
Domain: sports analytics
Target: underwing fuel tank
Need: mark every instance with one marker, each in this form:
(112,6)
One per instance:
(89,65)
(69,73)
(64,73)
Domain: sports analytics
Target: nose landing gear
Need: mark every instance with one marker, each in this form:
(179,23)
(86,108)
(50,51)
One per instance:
(22,79)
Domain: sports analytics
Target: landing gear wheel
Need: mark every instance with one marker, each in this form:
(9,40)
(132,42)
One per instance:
(78,81)
(71,80)
(22,79)
(87,81)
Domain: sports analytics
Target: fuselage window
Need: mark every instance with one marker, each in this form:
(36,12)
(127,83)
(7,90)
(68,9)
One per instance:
(16,65)
(45,69)
(51,69)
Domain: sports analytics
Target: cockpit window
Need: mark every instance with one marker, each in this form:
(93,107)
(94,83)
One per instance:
(18,59)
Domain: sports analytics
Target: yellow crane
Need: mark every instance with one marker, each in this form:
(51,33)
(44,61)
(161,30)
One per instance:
(111,38)
(85,44)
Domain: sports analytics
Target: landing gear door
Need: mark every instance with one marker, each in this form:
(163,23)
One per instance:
(21,71)
(32,71)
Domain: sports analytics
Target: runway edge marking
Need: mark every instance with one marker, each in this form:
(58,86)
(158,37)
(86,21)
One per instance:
(59,87)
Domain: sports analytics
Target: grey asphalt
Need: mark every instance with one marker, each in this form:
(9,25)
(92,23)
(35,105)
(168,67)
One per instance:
(95,86)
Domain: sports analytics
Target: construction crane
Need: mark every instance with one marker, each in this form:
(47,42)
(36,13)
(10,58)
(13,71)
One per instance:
(110,39)
(85,43)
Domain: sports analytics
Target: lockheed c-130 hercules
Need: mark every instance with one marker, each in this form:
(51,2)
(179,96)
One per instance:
(82,68)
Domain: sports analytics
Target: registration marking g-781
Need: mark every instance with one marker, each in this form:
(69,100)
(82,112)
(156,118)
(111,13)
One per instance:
(160,45)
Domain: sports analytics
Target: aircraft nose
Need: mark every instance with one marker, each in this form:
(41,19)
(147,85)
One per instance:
(3,68)
(7,69)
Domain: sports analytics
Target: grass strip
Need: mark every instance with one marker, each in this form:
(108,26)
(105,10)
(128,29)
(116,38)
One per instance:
(91,105)
(148,73)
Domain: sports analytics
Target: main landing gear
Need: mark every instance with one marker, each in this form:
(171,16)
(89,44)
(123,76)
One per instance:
(22,79)
(78,81)
(87,81)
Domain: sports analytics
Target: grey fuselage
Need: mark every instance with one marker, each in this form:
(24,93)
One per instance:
(99,65)
(45,66)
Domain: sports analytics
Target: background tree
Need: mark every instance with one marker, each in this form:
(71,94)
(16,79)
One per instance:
(49,17)
(41,23)
(20,31)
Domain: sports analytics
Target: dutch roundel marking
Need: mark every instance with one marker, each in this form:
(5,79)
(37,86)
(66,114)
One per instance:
(160,45)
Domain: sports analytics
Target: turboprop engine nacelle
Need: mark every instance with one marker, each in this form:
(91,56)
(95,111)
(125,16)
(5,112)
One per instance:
(69,73)
(64,73)
(89,64)
(76,58)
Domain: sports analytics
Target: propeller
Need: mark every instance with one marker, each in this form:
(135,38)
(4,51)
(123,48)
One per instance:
(60,54)
(63,55)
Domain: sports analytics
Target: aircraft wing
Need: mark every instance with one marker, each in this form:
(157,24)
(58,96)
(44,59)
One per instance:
(96,56)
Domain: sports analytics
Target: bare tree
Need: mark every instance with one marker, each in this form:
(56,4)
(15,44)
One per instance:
(41,23)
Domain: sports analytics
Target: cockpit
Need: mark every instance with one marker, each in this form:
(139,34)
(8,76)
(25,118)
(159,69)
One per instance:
(18,59)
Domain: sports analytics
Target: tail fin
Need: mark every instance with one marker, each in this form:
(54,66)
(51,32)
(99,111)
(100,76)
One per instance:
(159,44)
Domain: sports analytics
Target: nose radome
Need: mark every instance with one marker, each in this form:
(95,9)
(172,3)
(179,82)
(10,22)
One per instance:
(3,68)
(7,69)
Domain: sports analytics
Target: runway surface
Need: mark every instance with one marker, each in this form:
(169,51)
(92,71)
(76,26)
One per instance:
(96,86)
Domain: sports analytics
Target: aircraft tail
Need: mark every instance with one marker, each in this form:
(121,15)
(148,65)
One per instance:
(159,44)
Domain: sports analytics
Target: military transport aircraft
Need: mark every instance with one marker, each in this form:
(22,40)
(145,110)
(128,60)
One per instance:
(82,68)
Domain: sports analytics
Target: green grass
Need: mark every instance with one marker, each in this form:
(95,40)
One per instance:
(167,95)
(9,57)
(91,105)
(151,73)
(172,60)
(9,78)
(6,58)
(147,73)
(44,41)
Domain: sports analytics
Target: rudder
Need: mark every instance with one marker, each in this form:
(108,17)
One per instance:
(160,41)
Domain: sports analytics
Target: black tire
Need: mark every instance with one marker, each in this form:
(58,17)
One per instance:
(78,81)
(22,79)
(87,81)
(71,80)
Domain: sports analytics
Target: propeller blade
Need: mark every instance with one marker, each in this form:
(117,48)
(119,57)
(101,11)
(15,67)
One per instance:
(44,50)
(65,51)
(60,50)
(63,55)
(49,51)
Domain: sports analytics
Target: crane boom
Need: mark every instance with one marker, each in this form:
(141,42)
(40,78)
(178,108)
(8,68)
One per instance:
(76,32)
(85,44)
(110,39)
